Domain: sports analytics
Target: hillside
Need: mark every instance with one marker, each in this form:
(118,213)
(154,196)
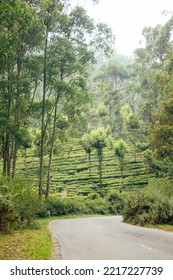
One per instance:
(70,172)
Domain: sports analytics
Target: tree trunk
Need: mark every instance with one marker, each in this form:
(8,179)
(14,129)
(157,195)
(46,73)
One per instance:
(14,159)
(4,134)
(122,171)
(100,165)
(43,118)
(134,152)
(7,140)
(4,154)
(51,153)
(89,158)
(17,116)
(52,146)
(33,97)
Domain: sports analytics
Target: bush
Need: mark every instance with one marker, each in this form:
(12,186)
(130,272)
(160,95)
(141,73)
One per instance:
(116,202)
(62,206)
(19,204)
(154,205)
(88,205)
(97,206)
(7,215)
(27,203)
(55,206)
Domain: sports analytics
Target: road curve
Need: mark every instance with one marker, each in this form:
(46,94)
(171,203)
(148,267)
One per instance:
(108,238)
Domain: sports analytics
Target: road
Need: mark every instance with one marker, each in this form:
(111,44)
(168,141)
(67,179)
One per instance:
(108,238)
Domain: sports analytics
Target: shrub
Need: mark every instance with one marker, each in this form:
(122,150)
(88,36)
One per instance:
(116,202)
(7,215)
(19,204)
(27,203)
(62,206)
(79,205)
(154,204)
(75,206)
(97,206)
(93,196)
(55,206)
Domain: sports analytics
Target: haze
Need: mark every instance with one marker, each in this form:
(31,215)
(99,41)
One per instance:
(128,18)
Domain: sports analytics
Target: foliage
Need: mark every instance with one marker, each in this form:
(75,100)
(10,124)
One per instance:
(99,141)
(7,215)
(86,143)
(161,135)
(64,206)
(19,204)
(112,203)
(120,150)
(98,138)
(150,205)
(115,201)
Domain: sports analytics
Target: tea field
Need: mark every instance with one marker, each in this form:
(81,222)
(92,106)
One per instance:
(70,171)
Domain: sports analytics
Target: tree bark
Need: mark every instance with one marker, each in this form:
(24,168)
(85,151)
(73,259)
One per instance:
(43,118)
(17,116)
(52,146)
(122,170)
(51,153)
(89,158)
(100,165)
(7,140)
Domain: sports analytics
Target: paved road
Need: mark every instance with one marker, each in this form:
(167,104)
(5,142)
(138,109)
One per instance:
(108,238)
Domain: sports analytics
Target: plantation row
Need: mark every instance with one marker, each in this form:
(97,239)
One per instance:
(70,172)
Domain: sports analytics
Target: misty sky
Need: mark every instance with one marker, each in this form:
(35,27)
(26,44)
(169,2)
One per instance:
(127,18)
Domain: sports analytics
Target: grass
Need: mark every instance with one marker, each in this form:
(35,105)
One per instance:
(165,227)
(28,244)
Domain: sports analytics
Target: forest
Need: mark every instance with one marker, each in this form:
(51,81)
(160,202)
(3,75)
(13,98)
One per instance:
(83,130)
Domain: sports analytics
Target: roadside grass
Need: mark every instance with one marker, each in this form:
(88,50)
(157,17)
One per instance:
(165,227)
(28,244)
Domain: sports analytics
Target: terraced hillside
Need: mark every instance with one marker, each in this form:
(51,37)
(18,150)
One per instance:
(70,172)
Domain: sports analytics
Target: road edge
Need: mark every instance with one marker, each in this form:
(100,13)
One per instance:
(56,255)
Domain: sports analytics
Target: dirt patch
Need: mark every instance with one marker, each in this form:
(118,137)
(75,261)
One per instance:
(56,255)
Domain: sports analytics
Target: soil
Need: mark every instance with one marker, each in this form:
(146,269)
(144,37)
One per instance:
(56,247)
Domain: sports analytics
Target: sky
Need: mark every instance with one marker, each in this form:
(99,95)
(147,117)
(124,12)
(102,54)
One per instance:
(127,18)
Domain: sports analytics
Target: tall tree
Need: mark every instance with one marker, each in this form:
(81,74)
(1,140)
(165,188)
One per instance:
(49,12)
(87,146)
(120,150)
(20,29)
(161,138)
(99,142)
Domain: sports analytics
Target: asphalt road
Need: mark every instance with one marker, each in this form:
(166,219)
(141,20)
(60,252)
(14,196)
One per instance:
(108,238)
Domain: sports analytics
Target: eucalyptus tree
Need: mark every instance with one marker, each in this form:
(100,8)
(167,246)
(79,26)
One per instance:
(120,150)
(99,142)
(87,146)
(152,63)
(49,12)
(161,139)
(19,35)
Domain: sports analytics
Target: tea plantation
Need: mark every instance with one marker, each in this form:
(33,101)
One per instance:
(70,171)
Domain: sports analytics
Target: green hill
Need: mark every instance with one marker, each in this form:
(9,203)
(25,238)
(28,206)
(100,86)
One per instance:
(70,173)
